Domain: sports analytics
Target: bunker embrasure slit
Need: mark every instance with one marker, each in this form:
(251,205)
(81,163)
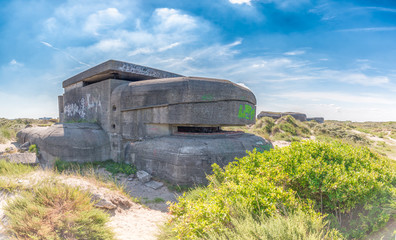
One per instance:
(187,129)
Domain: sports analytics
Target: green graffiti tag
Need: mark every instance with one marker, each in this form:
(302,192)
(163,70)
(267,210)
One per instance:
(246,111)
(262,148)
(207,97)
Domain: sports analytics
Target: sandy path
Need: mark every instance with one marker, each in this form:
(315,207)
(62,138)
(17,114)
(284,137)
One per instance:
(9,144)
(138,223)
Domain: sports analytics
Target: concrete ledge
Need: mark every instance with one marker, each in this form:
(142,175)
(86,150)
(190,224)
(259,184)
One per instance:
(22,158)
(118,70)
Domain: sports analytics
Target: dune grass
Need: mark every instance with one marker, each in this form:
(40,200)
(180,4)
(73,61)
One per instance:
(14,169)
(53,210)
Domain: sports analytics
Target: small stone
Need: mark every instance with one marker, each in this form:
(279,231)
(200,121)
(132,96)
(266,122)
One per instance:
(121,175)
(154,185)
(143,176)
(25,146)
(102,202)
(130,179)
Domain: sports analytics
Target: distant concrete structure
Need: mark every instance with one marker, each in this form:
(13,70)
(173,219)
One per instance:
(316,119)
(299,116)
(164,123)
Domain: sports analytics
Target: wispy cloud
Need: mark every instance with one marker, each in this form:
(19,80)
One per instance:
(382,9)
(335,97)
(293,53)
(247,2)
(369,29)
(15,63)
(67,54)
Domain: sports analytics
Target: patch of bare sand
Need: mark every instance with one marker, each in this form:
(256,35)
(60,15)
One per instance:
(281,143)
(8,145)
(138,223)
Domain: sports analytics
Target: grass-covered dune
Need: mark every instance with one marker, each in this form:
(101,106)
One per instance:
(9,128)
(309,190)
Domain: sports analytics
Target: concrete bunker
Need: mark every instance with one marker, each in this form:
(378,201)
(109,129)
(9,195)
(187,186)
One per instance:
(166,124)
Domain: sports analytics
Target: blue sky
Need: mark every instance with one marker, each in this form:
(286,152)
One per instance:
(334,59)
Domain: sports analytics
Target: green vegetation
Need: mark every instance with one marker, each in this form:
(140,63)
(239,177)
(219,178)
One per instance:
(352,187)
(33,149)
(295,226)
(109,165)
(8,169)
(339,130)
(55,211)
(9,128)
(285,128)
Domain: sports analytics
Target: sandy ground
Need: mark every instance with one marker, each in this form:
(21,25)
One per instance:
(8,145)
(138,223)
(280,143)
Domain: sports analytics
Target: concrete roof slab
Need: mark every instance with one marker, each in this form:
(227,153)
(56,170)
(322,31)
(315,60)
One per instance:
(118,70)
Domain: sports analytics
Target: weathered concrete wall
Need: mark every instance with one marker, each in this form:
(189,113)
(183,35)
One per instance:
(81,142)
(184,101)
(316,119)
(90,103)
(186,159)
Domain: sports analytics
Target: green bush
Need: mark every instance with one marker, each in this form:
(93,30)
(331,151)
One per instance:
(352,186)
(33,148)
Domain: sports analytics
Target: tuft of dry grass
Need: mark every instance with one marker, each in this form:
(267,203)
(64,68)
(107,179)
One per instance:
(53,210)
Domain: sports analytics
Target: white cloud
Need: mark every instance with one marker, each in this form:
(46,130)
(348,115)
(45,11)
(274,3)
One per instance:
(243,85)
(371,29)
(335,96)
(111,45)
(294,53)
(140,51)
(103,19)
(170,46)
(15,63)
(247,2)
(354,78)
(173,20)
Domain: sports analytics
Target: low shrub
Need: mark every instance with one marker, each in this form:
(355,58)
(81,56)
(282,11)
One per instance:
(33,148)
(350,185)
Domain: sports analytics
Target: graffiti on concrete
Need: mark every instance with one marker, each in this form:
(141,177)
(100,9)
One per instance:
(80,108)
(260,147)
(246,111)
(93,102)
(76,109)
(207,97)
